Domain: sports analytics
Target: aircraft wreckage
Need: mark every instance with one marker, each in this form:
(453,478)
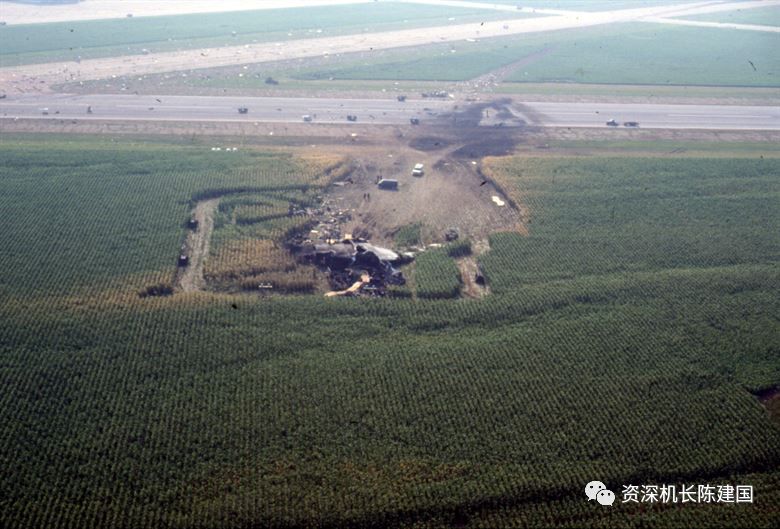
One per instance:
(355,266)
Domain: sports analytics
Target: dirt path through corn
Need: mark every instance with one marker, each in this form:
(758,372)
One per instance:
(191,278)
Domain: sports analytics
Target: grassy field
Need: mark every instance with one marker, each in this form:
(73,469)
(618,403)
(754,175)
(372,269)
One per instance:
(763,16)
(647,54)
(638,59)
(620,342)
(23,44)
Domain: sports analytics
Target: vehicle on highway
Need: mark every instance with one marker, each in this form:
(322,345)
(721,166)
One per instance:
(45,111)
(243,110)
(414,121)
(89,109)
(612,123)
(632,124)
(351,118)
(306,117)
(401,98)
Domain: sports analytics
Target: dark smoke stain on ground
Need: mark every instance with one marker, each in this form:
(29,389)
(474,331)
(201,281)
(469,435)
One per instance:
(471,116)
(478,141)
(429,143)
(496,142)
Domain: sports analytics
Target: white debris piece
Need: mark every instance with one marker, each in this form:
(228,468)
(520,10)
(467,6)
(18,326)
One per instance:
(498,201)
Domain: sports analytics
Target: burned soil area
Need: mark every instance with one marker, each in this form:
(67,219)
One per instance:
(488,144)
(429,143)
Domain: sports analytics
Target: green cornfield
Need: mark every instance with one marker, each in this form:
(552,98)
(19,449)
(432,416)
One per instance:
(624,339)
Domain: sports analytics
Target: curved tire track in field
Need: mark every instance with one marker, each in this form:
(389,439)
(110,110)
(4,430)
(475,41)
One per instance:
(191,278)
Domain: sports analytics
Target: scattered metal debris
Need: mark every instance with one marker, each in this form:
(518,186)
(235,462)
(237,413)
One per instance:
(355,265)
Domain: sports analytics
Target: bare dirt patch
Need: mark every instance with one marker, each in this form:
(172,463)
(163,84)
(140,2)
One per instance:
(190,277)
(452,193)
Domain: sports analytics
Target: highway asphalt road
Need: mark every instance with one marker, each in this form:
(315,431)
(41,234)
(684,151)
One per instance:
(658,116)
(221,109)
(378,111)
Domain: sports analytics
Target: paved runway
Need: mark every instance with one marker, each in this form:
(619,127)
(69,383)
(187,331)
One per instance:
(378,111)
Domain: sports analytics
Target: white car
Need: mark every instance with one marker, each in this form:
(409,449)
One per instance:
(418,170)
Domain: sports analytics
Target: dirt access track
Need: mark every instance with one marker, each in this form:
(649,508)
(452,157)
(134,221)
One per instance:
(190,278)
(37,77)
